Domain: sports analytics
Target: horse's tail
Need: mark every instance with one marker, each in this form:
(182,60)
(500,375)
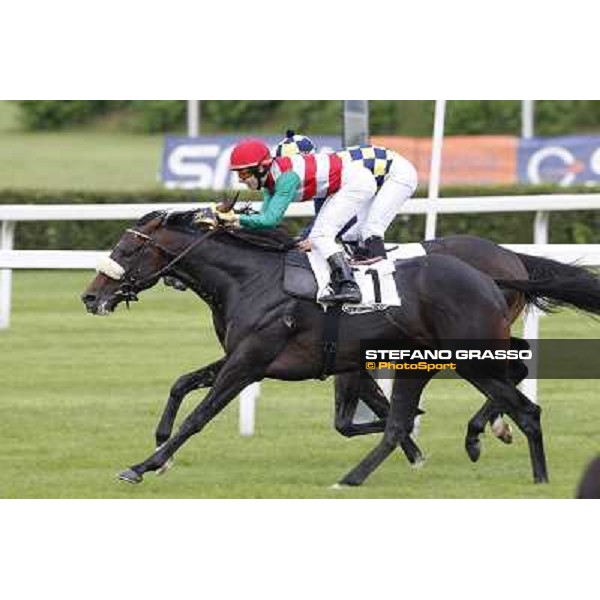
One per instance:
(553,285)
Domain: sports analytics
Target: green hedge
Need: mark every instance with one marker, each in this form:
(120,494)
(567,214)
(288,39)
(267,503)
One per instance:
(387,117)
(55,114)
(565,227)
(146,116)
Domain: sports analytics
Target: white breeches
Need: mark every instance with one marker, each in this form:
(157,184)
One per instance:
(356,192)
(375,218)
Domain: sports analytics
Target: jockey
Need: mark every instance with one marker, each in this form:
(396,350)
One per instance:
(396,180)
(345,187)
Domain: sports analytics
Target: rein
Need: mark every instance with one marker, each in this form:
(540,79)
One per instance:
(175,260)
(131,287)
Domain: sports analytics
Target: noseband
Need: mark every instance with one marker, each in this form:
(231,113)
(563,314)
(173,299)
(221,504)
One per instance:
(131,285)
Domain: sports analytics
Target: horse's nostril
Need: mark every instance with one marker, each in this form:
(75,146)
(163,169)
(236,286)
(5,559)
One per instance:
(87,298)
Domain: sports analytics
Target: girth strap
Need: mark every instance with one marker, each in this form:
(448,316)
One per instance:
(330,334)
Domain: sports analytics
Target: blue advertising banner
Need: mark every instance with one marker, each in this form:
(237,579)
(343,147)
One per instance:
(564,160)
(203,162)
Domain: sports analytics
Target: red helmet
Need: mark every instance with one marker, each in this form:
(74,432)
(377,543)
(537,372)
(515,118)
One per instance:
(249,153)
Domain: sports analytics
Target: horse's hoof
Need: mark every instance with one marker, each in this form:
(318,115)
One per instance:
(503,431)
(419,463)
(506,436)
(162,470)
(348,482)
(542,479)
(473,450)
(130,476)
(339,486)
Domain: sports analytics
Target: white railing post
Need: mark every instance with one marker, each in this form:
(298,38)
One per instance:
(531,321)
(7,231)
(248,398)
(527,119)
(531,331)
(540,227)
(435,168)
(193,118)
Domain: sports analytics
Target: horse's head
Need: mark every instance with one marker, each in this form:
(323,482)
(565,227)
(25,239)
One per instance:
(136,263)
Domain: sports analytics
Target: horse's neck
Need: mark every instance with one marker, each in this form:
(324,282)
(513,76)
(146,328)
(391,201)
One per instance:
(225,275)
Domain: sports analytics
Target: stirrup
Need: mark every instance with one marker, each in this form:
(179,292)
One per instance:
(340,297)
(365,261)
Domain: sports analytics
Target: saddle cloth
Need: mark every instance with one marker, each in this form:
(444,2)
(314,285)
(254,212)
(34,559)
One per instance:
(307,276)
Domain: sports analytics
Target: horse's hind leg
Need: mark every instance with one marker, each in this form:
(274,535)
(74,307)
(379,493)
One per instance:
(475,428)
(476,425)
(508,399)
(405,400)
(517,371)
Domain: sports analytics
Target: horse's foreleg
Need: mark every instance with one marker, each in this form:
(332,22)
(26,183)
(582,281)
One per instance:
(215,401)
(405,401)
(372,395)
(203,377)
(349,388)
(527,418)
(242,367)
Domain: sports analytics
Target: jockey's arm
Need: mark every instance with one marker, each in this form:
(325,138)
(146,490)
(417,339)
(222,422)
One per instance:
(274,206)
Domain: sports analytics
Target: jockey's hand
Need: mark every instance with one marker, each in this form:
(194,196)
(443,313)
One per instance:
(304,245)
(228,219)
(206,219)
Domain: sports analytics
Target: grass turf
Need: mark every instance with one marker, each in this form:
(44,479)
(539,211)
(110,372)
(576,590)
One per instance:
(81,159)
(81,396)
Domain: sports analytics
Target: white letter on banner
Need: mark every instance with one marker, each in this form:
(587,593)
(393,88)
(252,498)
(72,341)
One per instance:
(183,163)
(533,167)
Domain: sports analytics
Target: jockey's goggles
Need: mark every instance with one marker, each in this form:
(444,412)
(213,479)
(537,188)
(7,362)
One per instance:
(246,173)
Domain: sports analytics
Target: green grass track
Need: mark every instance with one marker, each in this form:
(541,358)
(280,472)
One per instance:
(80,397)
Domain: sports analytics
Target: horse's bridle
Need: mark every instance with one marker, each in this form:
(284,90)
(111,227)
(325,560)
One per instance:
(131,286)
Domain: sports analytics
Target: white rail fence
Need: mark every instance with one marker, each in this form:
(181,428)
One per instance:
(74,259)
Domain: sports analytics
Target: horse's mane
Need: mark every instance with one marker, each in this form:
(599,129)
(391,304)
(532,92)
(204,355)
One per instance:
(278,239)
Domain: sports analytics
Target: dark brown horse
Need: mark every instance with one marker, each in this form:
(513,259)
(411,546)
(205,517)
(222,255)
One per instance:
(265,333)
(562,285)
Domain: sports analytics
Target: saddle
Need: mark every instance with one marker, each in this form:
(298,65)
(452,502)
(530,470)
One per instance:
(306,276)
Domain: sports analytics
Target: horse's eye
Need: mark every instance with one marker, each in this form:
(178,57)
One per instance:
(127,251)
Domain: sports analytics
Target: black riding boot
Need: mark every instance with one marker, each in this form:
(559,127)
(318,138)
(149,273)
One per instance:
(372,251)
(374,247)
(345,289)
